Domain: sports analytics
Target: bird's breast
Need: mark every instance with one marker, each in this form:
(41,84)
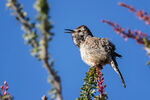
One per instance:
(93,56)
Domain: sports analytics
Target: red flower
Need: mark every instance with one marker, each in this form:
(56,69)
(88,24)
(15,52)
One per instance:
(139,13)
(137,35)
(4,88)
(100,81)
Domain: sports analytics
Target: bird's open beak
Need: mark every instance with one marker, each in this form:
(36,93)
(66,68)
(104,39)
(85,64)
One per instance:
(69,31)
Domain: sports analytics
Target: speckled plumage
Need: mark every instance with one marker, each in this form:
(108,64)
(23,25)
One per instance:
(95,51)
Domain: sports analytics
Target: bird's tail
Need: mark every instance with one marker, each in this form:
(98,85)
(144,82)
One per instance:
(115,67)
(117,55)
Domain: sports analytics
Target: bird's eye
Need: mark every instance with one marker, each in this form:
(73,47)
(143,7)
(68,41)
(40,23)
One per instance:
(82,36)
(79,30)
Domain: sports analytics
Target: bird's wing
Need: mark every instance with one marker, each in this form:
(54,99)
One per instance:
(99,44)
(106,48)
(106,45)
(109,46)
(95,48)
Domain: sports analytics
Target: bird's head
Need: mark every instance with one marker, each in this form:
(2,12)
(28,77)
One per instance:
(79,34)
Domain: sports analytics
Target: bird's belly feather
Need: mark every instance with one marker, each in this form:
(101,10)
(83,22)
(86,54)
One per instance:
(93,57)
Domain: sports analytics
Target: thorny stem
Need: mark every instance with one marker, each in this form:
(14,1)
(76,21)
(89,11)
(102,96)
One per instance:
(56,79)
(22,19)
(45,26)
(45,59)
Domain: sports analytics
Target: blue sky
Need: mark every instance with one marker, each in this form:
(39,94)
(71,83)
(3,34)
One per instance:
(27,78)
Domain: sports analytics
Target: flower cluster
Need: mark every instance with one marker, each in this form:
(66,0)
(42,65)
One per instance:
(136,35)
(100,81)
(140,37)
(92,82)
(4,88)
(139,13)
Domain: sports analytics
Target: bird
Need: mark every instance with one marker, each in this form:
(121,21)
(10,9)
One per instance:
(95,51)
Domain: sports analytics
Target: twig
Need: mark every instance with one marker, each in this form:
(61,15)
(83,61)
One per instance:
(42,45)
(29,28)
(44,25)
(56,79)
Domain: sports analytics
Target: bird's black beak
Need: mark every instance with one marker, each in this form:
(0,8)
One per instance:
(69,31)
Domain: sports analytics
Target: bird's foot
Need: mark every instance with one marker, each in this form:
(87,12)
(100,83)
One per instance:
(98,67)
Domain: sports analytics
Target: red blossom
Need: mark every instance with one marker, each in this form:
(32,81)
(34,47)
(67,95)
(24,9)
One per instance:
(129,31)
(110,23)
(144,35)
(126,39)
(131,8)
(122,4)
(5,93)
(4,88)
(139,13)
(5,83)
(100,81)
(136,35)
(117,31)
